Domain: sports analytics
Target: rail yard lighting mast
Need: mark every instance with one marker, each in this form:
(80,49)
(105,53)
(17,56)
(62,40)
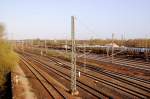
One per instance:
(73,59)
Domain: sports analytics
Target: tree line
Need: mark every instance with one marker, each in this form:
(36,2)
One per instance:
(139,43)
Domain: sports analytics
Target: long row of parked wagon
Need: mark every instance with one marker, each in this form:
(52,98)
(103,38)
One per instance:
(128,51)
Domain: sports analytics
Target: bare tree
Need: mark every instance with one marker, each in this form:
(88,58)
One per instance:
(1,30)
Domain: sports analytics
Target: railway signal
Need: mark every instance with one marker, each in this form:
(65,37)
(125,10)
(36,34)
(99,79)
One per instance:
(73,59)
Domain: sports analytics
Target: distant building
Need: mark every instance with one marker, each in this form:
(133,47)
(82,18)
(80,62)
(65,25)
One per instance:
(66,46)
(112,45)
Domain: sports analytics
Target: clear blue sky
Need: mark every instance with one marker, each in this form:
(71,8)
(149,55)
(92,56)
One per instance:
(95,18)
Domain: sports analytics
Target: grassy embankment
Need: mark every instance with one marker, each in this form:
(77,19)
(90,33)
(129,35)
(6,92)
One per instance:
(53,53)
(8,59)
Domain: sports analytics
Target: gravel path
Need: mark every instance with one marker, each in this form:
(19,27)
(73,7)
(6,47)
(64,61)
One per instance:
(21,86)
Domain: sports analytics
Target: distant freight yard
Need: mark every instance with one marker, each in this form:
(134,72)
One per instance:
(100,74)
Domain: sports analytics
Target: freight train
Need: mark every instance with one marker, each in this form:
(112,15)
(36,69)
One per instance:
(128,51)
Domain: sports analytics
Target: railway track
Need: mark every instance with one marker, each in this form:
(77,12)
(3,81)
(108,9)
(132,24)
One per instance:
(95,68)
(87,89)
(115,76)
(100,70)
(98,79)
(54,91)
(133,63)
(121,61)
(128,63)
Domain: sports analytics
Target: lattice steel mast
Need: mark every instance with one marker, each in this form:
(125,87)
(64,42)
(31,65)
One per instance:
(73,58)
(112,48)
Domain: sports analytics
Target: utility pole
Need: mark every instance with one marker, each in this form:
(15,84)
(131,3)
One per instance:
(146,48)
(84,50)
(66,45)
(107,49)
(73,59)
(121,40)
(124,40)
(22,43)
(39,46)
(39,43)
(112,58)
(45,47)
(31,44)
